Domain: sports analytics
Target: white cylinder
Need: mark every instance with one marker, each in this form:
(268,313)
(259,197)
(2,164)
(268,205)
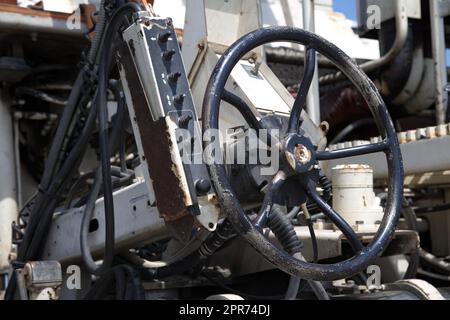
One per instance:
(353,195)
(8,193)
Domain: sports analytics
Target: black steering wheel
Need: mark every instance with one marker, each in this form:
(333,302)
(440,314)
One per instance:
(301,159)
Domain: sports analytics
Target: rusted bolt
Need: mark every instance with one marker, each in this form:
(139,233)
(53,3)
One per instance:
(302,154)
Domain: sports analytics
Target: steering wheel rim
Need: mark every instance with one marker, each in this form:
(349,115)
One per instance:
(390,146)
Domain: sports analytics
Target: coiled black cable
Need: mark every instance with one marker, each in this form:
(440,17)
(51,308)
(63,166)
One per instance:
(326,186)
(284,231)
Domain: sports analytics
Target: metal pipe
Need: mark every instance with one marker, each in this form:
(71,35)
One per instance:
(313,98)
(294,283)
(23,294)
(8,201)
(440,66)
(17,162)
(401,27)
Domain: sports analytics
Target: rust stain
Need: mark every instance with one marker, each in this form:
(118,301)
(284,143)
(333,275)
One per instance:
(158,147)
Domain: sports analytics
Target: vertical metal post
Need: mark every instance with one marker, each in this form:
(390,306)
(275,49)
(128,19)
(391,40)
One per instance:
(23,294)
(313,99)
(8,201)
(440,65)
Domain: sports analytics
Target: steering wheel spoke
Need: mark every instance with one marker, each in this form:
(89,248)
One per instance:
(260,221)
(242,107)
(300,100)
(352,152)
(327,210)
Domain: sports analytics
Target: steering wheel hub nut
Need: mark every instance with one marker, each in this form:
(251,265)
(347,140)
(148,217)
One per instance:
(300,154)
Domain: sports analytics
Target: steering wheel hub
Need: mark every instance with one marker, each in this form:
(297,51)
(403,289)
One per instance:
(300,154)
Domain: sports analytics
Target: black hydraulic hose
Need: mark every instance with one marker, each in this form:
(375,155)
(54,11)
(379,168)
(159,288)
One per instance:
(34,240)
(438,208)
(74,188)
(126,281)
(87,216)
(420,254)
(414,258)
(35,231)
(215,241)
(41,95)
(61,130)
(48,183)
(103,176)
(99,30)
(315,247)
(47,190)
(300,100)
(326,186)
(89,262)
(344,133)
(284,231)
(51,187)
(434,262)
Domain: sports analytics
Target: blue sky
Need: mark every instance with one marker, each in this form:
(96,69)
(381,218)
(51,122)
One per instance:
(348,8)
